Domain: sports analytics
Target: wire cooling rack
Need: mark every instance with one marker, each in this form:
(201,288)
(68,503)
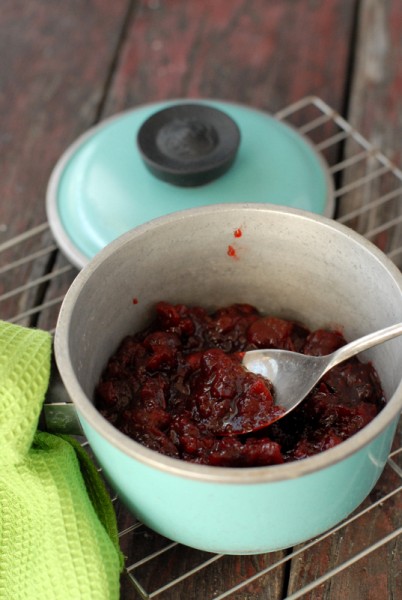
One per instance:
(34,277)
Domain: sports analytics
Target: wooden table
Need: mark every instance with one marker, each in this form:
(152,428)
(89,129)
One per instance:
(65,66)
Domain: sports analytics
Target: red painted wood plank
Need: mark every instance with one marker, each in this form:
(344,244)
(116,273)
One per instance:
(54,61)
(266,54)
(376,111)
(376,97)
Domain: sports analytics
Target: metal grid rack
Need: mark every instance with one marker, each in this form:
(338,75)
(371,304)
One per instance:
(368,199)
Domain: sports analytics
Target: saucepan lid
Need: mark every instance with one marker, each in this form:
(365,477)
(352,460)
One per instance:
(163,157)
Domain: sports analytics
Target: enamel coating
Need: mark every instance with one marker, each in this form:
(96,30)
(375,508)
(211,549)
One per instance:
(242,518)
(288,262)
(100,187)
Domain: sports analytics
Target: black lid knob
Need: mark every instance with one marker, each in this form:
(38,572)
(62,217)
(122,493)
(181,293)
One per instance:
(188,144)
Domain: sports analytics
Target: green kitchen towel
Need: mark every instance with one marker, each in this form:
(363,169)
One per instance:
(58,533)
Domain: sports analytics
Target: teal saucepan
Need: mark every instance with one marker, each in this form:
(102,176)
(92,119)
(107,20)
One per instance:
(287,262)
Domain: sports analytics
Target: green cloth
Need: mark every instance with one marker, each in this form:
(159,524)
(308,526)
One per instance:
(58,533)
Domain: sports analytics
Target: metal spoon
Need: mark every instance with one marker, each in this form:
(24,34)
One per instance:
(294,375)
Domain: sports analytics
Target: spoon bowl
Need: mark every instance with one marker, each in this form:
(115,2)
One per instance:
(294,375)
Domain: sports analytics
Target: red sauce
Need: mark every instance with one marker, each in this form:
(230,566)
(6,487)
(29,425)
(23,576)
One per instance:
(232,252)
(237,233)
(173,386)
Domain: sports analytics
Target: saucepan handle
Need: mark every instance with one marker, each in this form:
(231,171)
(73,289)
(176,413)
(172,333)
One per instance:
(58,413)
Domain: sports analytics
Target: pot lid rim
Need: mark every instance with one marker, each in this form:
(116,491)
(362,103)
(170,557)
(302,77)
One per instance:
(64,240)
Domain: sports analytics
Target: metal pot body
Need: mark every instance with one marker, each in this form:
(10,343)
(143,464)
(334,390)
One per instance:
(287,263)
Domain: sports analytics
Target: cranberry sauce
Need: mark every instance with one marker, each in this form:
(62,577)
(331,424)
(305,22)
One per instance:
(179,385)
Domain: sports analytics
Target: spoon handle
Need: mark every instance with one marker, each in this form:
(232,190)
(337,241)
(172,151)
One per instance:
(368,341)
